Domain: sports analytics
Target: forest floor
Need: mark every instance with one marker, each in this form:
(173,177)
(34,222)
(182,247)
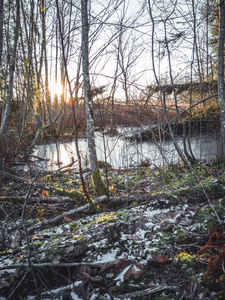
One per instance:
(159,234)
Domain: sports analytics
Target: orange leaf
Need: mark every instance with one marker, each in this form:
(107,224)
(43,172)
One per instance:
(44,193)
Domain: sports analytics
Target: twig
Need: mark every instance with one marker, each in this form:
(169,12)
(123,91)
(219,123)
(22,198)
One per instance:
(189,108)
(205,193)
(43,129)
(57,170)
(19,283)
(30,268)
(35,184)
(147,291)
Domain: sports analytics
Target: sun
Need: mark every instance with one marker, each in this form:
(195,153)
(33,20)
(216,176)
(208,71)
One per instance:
(56,89)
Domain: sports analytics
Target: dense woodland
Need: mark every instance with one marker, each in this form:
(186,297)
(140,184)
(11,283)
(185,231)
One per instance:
(70,69)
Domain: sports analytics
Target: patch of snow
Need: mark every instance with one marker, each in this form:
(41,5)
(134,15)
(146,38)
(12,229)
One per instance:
(2,272)
(129,257)
(213,293)
(192,213)
(61,289)
(42,256)
(60,229)
(77,283)
(99,243)
(140,233)
(74,296)
(6,261)
(123,237)
(67,226)
(150,213)
(135,268)
(108,257)
(94,296)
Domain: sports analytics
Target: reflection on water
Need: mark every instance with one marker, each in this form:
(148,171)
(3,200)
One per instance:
(121,153)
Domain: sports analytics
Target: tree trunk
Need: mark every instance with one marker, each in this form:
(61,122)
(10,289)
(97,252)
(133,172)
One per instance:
(221,79)
(11,75)
(28,80)
(44,44)
(72,101)
(97,180)
(1,28)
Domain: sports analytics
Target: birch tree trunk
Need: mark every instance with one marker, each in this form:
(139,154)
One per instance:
(1,28)
(221,79)
(99,185)
(6,112)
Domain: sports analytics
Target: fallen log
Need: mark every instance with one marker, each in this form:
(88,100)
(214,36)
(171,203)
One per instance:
(51,265)
(66,214)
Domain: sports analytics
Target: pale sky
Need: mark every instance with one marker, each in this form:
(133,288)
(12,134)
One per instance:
(137,41)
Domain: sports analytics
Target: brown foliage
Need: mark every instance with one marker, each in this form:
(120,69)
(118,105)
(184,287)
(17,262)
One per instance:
(216,248)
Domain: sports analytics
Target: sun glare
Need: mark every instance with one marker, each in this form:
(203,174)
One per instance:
(56,89)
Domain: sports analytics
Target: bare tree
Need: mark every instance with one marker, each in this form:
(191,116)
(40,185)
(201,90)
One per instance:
(72,103)
(1,28)
(221,78)
(29,77)
(43,11)
(6,113)
(97,180)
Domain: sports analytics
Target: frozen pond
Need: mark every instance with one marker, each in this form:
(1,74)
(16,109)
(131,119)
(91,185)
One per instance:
(121,153)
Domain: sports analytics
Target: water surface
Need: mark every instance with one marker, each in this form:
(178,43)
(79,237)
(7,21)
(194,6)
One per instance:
(121,153)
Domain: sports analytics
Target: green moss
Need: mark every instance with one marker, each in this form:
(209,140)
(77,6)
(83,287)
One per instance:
(38,243)
(123,215)
(78,197)
(184,191)
(73,226)
(99,185)
(212,187)
(205,215)
(114,289)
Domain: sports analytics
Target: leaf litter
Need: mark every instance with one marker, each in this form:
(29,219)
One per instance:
(134,249)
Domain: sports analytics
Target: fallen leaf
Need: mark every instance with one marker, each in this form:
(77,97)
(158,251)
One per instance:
(124,269)
(133,270)
(44,193)
(158,260)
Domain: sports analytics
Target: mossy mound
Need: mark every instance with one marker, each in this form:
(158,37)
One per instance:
(76,196)
(99,185)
